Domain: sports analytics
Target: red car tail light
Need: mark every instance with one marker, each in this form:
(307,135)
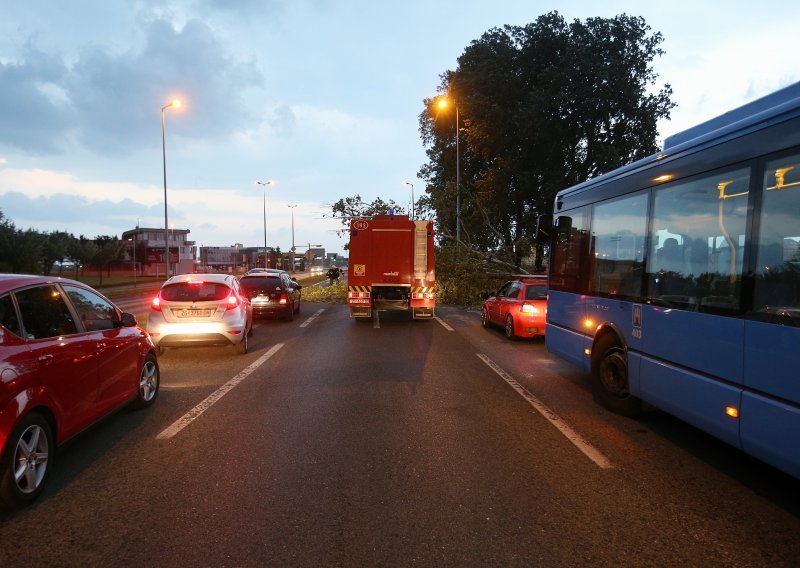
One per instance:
(530,309)
(156,304)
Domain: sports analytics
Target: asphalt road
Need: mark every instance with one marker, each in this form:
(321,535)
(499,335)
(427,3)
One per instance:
(397,443)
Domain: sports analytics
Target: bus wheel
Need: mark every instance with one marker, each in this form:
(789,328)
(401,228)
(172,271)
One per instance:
(611,378)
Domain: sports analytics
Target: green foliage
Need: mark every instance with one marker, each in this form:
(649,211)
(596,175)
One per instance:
(354,207)
(463,275)
(540,108)
(336,294)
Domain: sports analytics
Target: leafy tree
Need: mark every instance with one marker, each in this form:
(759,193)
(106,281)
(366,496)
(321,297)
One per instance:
(541,107)
(7,230)
(108,250)
(55,248)
(355,207)
(83,250)
(25,251)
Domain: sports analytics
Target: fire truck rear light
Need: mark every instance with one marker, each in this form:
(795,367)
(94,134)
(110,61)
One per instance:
(355,295)
(423,296)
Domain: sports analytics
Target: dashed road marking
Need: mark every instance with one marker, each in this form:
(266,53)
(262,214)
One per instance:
(312,318)
(214,397)
(588,450)
(444,323)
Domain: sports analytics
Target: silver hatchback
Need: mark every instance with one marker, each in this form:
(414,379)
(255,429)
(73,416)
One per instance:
(200,309)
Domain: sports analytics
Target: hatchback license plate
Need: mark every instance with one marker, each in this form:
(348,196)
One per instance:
(194,313)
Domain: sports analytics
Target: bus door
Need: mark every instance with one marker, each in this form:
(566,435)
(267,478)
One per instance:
(770,411)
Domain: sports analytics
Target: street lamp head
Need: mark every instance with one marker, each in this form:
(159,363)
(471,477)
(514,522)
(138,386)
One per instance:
(176,103)
(442,102)
(268,182)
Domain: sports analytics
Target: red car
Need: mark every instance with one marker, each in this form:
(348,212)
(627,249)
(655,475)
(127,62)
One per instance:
(520,307)
(68,357)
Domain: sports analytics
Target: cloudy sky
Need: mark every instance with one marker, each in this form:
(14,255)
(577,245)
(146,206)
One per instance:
(322,96)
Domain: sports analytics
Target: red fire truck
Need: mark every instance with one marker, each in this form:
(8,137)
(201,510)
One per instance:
(391,266)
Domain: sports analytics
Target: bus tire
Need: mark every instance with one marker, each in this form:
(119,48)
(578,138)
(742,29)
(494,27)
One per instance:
(610,378)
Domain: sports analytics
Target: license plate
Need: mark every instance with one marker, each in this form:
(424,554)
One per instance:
(194,313)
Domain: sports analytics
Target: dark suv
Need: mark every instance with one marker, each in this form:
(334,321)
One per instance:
(272,293)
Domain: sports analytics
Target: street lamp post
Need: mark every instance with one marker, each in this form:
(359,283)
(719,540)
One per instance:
(442,104)
(412,198)
(264,184)
(174,104)
(293,247)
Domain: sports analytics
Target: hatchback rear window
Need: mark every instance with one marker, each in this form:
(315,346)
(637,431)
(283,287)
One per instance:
(261,283)
(538,292)
(195,292)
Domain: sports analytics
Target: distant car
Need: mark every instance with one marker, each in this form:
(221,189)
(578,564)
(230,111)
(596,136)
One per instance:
(68,357)
(258,270)
(317,270)
(201,310)
(519,307)
(272,293)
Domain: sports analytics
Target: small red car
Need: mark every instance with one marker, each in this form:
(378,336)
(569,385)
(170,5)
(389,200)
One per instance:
(520,307)
(68,357)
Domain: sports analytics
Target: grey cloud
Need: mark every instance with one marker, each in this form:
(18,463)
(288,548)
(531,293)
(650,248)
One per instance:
(118,98)
(111,101)
(74,214)
(283,120)
(29,119)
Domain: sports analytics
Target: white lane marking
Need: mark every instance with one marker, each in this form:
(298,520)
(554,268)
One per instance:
(444,323)
(589,451)
(312,318)
(195,412)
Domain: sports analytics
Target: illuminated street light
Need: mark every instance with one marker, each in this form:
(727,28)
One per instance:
(264,184)
(174,104)
(412,198)
(293,247)
(443,104)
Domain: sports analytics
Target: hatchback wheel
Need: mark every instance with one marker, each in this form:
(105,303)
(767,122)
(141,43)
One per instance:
(25,466)
(484,317)
(149,381)
(241,347)
(510,327)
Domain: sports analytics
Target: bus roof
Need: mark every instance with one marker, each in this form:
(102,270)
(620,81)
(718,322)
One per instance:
(773,108)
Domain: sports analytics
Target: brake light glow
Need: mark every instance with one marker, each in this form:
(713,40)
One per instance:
(423,296)
(156,304)
(233,302)
(284,300)
(530,309)
(356,295)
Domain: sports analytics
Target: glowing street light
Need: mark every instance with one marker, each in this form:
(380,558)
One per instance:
(264,184)
(174,104)
(443,103)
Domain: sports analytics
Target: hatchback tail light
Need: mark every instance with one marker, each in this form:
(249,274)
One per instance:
(233,301)
(156,304)
(284,299)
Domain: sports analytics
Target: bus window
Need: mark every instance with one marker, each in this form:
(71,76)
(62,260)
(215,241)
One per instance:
(570,246)
(618,231)
(777,286)
(695,257)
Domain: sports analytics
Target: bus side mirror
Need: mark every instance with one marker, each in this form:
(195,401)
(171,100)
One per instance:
(544,224)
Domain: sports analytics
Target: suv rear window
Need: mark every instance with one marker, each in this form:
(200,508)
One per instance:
(195,292)
(261,283)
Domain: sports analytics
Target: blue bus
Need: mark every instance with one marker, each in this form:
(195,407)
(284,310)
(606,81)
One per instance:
(675,280)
